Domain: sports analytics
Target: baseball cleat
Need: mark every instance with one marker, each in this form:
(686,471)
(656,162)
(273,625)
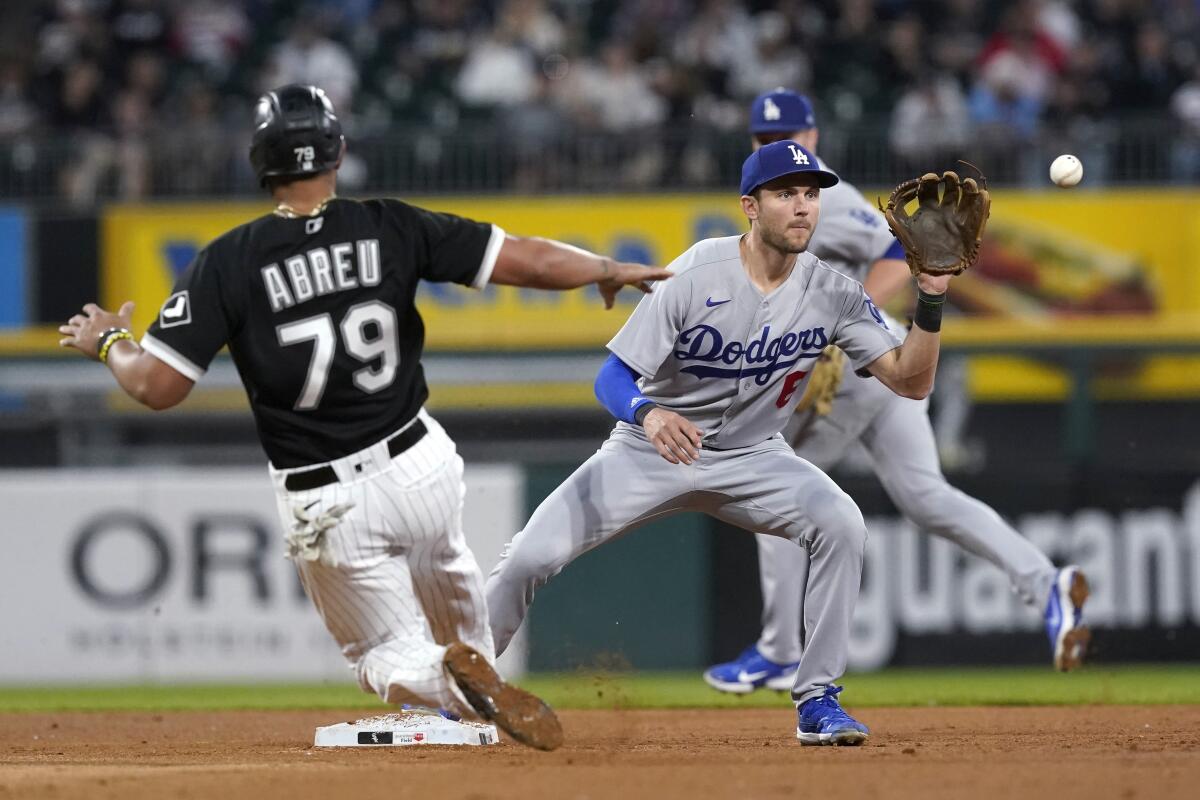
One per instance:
(750,671)
(520,714)
(822,720)
(1069,637)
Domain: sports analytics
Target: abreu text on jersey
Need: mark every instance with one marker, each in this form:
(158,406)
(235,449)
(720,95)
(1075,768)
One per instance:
(320,272)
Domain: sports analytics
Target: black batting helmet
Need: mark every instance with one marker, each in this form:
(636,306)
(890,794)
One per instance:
(295,133)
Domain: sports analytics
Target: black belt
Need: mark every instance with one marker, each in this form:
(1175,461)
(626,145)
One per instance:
(323,476)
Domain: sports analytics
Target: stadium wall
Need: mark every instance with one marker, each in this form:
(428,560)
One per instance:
(177,574)
(923,601)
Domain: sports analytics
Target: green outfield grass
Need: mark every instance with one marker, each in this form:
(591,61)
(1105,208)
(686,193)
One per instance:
(896,687)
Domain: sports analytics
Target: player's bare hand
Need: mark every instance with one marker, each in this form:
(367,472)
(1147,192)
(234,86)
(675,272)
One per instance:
(624,273)
(675,439)
(83,330)
(933,284)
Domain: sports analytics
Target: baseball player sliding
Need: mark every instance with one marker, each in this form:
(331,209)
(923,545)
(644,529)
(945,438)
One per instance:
(702,378)
(316,304)
(853,238)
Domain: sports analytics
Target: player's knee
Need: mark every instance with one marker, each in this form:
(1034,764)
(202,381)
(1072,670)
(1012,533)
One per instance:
(840,521)
(533,562)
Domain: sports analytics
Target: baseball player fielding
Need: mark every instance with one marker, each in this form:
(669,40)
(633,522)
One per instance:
(853,238)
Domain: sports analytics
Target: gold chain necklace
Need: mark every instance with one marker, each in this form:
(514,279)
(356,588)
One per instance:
(287,212)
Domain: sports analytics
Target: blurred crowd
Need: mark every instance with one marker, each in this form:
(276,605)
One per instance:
(131,98)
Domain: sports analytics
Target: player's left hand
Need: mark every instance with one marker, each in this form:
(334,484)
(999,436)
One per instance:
(933,284)
(83,330)
(624,273)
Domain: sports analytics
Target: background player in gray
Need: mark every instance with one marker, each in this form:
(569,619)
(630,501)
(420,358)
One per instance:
(853,237)
(702,377)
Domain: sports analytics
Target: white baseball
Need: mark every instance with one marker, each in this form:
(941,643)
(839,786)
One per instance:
(1066,171)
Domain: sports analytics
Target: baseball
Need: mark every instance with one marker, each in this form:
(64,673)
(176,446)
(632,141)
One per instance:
(1066,171)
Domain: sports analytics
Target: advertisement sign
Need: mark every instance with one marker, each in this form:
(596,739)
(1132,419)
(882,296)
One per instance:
(146,247)
(668,596)
(925,601)
(1052,259)
(176,575)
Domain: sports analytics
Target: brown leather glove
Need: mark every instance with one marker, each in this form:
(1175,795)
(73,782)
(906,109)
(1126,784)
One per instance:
(942,236)
(824,381)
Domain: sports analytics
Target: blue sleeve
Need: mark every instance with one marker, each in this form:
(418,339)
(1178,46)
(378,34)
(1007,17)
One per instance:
(616,389)
(896,251)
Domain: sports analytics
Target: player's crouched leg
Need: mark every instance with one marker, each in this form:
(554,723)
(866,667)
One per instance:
(529,561)
(592,506)
(409,669)
(836,547)
(838,525)
(459,679)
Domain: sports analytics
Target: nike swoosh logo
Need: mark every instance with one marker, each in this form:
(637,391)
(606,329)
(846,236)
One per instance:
(750,677)
(176,309)
(709,302)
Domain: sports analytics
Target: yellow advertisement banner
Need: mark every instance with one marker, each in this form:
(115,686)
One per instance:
(1074,252)
(146,247)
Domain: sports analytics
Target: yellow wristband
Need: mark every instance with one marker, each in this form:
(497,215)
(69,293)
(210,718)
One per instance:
(115,335)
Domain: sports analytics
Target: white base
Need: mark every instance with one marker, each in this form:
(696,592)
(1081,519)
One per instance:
(409,727)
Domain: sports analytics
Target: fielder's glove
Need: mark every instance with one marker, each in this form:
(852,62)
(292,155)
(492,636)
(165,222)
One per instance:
(824,382)
(942,236)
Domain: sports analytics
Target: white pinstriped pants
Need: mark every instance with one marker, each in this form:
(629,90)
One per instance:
(396,582)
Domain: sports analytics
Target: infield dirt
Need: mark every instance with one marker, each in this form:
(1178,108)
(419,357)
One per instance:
(1061,752)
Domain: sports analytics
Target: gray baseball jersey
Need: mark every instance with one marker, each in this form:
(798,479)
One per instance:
(712,347)
(851,236)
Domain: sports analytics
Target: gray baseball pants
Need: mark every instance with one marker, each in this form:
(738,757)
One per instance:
(764,489)
(901,444)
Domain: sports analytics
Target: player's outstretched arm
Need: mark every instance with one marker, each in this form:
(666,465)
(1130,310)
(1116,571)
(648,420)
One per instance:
(549,264)
(143,377)
(909,369)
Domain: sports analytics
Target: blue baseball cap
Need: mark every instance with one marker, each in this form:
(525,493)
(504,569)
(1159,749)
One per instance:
(781,111)
(777,159)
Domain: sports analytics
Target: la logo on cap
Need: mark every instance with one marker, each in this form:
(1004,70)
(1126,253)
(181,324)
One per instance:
(771,112)
(798,155)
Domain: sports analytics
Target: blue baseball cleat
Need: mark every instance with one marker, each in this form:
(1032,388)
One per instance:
(822,720)
(1069,637)
(750,671)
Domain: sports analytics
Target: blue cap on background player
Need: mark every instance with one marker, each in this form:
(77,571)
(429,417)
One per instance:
(781,111)
(777,159)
